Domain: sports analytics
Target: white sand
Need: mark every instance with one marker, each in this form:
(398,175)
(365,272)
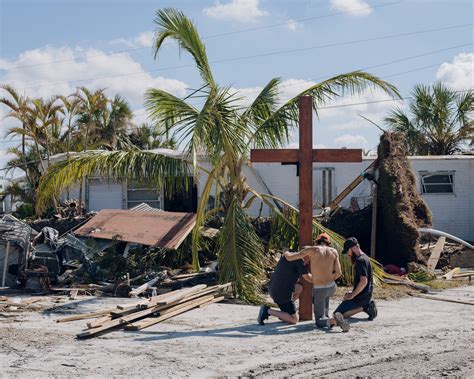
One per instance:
(410,337)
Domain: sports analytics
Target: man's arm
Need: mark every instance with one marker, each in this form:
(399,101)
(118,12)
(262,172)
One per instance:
(360,287)
(297,255)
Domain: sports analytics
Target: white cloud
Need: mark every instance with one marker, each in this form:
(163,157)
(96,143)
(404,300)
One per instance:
(347,140)
(292,25)
(107,71)
(458,74)
(144,39)
(236,10)
(139,116)
(355,7)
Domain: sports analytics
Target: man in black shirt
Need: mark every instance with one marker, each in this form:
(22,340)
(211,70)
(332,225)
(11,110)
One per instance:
(360,298)
(284,290)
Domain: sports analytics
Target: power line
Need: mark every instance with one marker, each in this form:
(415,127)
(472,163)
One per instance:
(280,52)
(215,35)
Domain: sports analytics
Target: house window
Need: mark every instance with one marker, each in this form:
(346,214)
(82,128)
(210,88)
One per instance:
(437,182)
(323,184)
(138,193)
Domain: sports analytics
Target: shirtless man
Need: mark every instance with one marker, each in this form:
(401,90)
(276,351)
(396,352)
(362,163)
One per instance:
(325,269)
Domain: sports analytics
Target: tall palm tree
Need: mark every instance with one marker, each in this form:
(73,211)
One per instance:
(438,120)
(224,132)
(48,123)
(18,105)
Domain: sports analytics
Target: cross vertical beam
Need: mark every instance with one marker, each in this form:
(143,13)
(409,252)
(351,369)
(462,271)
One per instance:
(306,194)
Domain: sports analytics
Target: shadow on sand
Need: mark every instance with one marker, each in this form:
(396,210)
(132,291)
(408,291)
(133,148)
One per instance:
(240,331)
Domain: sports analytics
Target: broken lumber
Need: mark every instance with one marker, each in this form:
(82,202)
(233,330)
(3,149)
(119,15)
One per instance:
(143,287)
(99,322)
(166,306)
(428,297)
(436,253)
(463,274)
(84,316)
(164,298)
(168,313)
(449,275)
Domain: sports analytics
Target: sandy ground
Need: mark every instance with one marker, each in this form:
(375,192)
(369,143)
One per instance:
(411,337)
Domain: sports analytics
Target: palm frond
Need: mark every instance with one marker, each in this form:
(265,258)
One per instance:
(154,169)
(175,25)
(240,254)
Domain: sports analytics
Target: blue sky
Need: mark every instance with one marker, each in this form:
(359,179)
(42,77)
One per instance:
(50,47)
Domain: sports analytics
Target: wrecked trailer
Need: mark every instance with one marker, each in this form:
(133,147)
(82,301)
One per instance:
(15,238)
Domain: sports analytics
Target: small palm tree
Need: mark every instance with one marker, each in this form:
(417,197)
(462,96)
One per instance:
(224,132)
(438,121)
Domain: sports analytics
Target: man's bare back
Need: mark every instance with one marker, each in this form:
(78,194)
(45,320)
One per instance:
(324,262)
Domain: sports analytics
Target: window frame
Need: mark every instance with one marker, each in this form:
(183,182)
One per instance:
(424,174)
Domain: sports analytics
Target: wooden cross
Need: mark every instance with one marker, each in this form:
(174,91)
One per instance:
(304,158)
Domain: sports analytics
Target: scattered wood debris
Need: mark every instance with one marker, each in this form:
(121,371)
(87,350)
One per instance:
(148,312)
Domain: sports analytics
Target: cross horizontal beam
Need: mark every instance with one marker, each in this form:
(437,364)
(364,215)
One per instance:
(292,155)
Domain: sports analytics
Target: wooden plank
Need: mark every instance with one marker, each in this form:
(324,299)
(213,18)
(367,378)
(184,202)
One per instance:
(435,254)
(337,155)
(274,155)
(99,322)
(317,155)
(84,316)
(215,300)
(449,275)
(168,313)
(117,322)
(346,191)
(143,287)
(166,298)
(463,274)
(108,326)
(428,297)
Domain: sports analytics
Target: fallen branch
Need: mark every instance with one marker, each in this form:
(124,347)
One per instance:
(428,297)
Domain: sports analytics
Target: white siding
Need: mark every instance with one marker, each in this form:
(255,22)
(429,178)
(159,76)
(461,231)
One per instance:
(452,213)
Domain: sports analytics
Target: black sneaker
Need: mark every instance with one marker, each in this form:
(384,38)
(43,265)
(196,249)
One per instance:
(341,322)
(262,314)
(371,310)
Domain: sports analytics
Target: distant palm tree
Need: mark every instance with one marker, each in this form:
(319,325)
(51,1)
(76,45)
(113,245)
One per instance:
(224,132)
(148,136)
(115,121)
(438,120)
(91,109)
(18,109)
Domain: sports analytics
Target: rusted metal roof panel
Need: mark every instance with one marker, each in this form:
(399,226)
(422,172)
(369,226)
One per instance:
(161,229)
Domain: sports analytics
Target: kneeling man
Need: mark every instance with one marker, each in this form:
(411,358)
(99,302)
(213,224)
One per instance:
(325,269)
(360,298)
(284,290)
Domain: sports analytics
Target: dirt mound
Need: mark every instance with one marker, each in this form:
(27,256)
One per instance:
(400,207)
